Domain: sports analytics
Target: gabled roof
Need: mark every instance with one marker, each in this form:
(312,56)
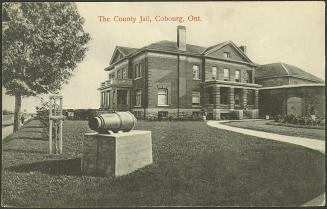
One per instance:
(172,46)
(282,69)
(219,46)
(124,51)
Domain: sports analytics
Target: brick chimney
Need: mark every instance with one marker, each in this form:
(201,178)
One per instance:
(243,48)
(181,37)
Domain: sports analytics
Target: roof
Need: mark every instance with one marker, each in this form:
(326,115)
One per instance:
(282,69)
(172,46)
(126,50)
(215,46)
(294,86)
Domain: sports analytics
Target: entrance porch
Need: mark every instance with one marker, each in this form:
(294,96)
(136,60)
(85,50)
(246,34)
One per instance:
(230,102)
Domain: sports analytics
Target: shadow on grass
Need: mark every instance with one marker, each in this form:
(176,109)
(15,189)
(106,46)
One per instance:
(24,151)
(31,131)
(33,126)
(29,138)
(70,167)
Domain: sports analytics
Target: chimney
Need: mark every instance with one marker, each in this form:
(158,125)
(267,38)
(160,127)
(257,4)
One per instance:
(243,48)
(181,37)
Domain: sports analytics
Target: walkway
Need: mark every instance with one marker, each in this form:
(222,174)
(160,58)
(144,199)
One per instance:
(6,131)
(305,142)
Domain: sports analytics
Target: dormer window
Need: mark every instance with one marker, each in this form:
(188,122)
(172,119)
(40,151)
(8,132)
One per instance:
(226,55)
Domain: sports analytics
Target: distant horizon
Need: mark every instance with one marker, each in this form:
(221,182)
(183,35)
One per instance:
(287,32)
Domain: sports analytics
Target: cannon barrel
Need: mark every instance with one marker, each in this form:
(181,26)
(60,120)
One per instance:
(117,121)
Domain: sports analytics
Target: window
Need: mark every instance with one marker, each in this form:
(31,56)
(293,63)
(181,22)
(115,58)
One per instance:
(118,74)
(107,99)
(140,71)
(195,98)
(138,97)
(102,99)
(250,97)
(223,95)
(249,76)
(196,72)
(226,74)
(112,75)
(124,73)
(226,55)
(162,97)
(237,76)
(136,71)
(214,73)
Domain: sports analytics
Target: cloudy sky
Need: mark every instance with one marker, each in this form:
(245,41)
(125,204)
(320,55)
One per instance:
(290,32)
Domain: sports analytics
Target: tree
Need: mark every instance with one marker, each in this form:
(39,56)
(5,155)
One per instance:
(42,45)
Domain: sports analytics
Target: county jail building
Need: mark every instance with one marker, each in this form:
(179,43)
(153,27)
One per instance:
(177,80)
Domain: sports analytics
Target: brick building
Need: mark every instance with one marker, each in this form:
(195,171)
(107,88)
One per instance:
(287,89)
(176,79)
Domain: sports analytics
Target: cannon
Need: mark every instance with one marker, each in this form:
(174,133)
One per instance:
(115,154)
(117,121)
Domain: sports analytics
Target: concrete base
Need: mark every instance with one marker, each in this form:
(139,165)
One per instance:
(116,154)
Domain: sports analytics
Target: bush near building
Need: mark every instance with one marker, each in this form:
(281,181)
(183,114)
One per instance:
(300,120)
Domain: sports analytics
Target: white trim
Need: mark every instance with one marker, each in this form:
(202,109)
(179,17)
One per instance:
(228,61)
(294,86)
(288,73)
(192,59)
(138,58)
(153,54)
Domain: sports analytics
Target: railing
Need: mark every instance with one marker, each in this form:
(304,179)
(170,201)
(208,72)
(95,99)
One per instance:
(117,82)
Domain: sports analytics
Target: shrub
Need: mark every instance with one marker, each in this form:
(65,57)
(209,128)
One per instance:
(289,118)
(278,118)
(233,116)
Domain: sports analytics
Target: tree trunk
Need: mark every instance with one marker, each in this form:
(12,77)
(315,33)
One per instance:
(17,115)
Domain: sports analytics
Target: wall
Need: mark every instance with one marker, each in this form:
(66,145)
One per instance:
(294,81)
(274,101)
(234,55)
(209,63)
(268,82)
(138,83)
(163,72)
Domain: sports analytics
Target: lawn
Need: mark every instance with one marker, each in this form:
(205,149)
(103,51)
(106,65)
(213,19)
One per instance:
(261,125)
(194,164)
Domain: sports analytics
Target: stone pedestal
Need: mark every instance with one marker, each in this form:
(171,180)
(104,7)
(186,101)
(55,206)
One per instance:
(116,154)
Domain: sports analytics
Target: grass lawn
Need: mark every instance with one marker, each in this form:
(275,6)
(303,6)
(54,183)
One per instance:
(260,125)
(194,164)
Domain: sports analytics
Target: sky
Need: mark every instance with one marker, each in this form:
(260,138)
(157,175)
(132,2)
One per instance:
(289,32)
